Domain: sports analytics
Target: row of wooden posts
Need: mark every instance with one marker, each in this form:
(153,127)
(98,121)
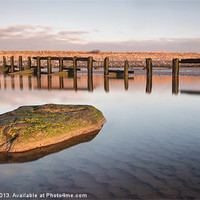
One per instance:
(73,70)
(90,60)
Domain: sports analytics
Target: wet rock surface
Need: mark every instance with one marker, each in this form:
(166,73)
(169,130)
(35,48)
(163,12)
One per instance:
(30,127)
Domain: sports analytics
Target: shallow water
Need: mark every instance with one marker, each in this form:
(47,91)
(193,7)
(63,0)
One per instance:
(148,148)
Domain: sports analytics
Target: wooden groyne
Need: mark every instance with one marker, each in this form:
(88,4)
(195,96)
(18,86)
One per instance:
(43,65)
(72,71)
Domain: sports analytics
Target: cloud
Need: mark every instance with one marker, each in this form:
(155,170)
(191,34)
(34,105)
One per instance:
(27,37)
(64,33)
(29,32)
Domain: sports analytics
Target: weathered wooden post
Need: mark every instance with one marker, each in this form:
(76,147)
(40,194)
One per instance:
(126,66)
(148,84)
(149,66)
(4,62)
(175,84)
(38,66)
(49,69)
(75,65)
(60,64)
(126,82)
(21,82)
(29,62)
(90,83)
(90,65)
(61,82)
(20,63)
(175,67)
(12,64)
(49,82)
(106,66)
(106,83)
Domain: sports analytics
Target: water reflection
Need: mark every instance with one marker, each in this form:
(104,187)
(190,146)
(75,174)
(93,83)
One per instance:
(44,151)
(175,84)
(86,82)
(148,84)
(148,149)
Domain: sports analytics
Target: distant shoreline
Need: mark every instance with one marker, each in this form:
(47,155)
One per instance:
(116,58)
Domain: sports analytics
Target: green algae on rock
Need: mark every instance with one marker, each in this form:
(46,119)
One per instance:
(30,127)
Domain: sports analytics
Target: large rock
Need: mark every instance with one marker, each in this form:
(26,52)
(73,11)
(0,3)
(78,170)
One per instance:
(31,127)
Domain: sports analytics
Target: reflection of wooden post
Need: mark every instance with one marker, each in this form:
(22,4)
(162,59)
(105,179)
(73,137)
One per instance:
(20,63)
(39,82)
(126,82)
(29,62)
(175,67)
(90,83)
(49,69)
(4,62)
(75,65)
(12,64)
(49,82)
(5,82)
(61,64)
(149,66)
(75,83)
(175,84)
(21,82)
(148,84)
(29,82)
(38,66)
(126,66)
(106,66)
(90,65)
(106,83)
(13,81)
(61,82)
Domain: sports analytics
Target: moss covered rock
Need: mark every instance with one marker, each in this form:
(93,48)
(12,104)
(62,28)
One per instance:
(30,127)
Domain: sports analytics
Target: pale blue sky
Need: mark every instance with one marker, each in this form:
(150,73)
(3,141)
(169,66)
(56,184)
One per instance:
(109,25)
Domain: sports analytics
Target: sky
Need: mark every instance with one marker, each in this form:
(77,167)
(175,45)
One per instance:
(106,25)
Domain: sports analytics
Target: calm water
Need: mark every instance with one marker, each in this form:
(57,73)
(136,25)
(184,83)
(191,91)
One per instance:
(148,148)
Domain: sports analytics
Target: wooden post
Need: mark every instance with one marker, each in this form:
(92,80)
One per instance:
(149,66)
(126,82)
(49,69)
(148,84)
(12,64)
(75,65)
(29,62)
(106,83)
(61,64)
(175,67)
(126,66)
(4,62)
(90,65)
(175,84)
(106,66)
(38,66)
(20,63)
